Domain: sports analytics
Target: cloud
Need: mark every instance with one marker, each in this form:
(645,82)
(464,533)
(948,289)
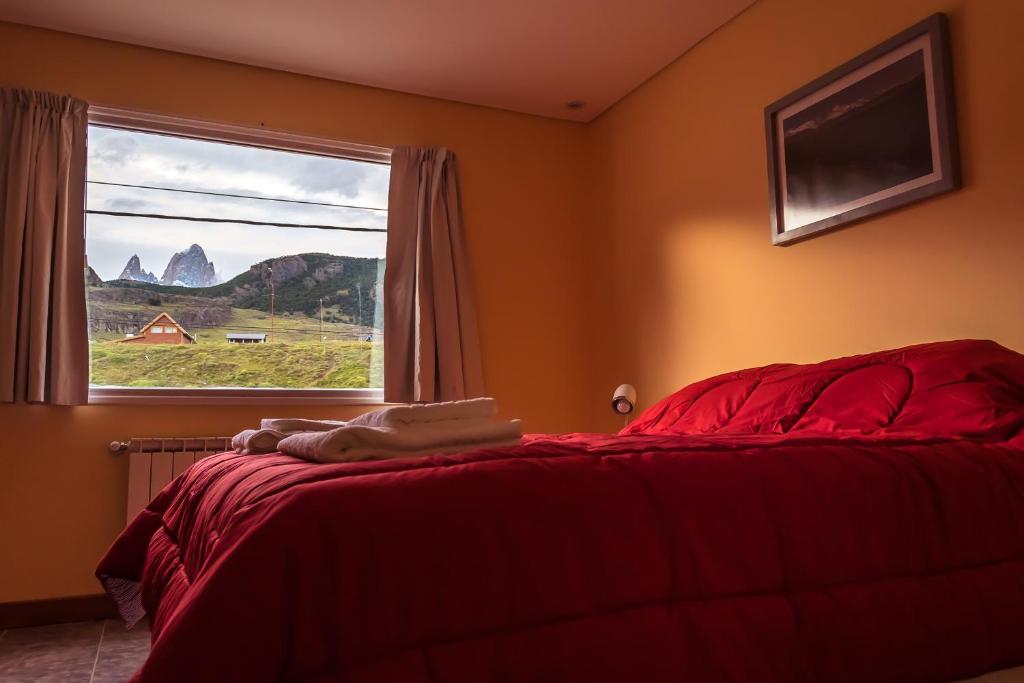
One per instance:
(126,204)
(111,150)
(318,175)
(202,165)
(834,112)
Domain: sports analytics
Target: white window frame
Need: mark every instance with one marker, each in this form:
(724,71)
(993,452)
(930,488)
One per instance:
(254,137)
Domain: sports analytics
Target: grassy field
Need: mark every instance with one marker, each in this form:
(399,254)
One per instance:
(288,327)
(295,357)
(288,364)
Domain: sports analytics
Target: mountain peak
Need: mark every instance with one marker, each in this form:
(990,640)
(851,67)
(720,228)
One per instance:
(92,278)
(133,271)
(189,268)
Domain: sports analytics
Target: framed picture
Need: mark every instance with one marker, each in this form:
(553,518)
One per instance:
(876,133)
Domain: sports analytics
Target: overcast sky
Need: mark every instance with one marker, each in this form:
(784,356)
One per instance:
(144,159)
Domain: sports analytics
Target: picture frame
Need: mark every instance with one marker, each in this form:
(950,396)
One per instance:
(876,133)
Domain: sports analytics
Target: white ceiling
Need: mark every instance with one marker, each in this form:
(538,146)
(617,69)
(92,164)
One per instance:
(530,56)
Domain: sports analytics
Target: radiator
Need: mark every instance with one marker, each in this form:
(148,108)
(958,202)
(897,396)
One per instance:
(154,461)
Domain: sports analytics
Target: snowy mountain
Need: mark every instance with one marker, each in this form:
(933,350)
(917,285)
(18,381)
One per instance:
(189,268)
(133,271)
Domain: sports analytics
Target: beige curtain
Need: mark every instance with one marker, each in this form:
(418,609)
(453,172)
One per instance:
(431,344)
(44,350)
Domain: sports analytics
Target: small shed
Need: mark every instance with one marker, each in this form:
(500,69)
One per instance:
(246,338)
(162,329)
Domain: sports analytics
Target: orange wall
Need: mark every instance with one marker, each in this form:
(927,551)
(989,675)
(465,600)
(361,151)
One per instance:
(62,494)
(633,249)
(684,186)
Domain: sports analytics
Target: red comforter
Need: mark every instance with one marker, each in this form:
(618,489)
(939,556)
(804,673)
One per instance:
(856,520)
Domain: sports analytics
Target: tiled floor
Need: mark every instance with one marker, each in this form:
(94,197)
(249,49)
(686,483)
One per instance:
(84,652)
(105,652)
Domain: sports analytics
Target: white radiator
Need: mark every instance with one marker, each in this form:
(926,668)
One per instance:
(154,461)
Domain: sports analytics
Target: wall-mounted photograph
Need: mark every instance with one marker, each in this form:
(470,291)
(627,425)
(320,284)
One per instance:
(876,133)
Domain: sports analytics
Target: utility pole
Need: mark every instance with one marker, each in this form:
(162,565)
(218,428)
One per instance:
(359,303)
(321,320)
(271,271)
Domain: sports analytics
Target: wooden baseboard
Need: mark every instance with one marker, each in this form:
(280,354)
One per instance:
(56,611)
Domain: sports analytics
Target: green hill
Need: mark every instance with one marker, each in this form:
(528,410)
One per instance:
(347,284)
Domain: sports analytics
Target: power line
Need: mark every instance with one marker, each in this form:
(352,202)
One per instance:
(236,196)
(199,219)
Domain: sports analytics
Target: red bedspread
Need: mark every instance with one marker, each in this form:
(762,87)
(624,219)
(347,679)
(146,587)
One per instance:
(756,528)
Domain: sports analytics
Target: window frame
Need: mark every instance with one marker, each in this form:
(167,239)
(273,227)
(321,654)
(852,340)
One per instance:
(250,136)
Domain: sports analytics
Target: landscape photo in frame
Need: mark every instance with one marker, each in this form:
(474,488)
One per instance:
(874,134)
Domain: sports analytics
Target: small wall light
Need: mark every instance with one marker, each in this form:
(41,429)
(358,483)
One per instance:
(624,400)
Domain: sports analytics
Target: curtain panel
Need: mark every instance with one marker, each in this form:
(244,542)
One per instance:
(44,349)
(431,342)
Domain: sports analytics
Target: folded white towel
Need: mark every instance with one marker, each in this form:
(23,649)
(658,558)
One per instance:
(250,441)
(298,424)
(416,413)
(359,442)
(392,416)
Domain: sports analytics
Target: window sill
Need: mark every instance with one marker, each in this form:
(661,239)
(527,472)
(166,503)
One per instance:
(269,397)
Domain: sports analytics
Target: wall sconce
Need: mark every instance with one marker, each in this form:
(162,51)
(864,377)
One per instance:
(624,400)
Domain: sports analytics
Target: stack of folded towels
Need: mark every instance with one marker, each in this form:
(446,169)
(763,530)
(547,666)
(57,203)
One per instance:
(395,432)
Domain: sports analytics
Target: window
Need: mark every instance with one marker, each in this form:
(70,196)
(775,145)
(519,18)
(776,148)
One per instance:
(237,235)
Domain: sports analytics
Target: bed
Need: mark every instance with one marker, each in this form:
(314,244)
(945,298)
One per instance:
(860,519)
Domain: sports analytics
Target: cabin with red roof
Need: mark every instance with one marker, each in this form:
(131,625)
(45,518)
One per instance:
(162,329)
